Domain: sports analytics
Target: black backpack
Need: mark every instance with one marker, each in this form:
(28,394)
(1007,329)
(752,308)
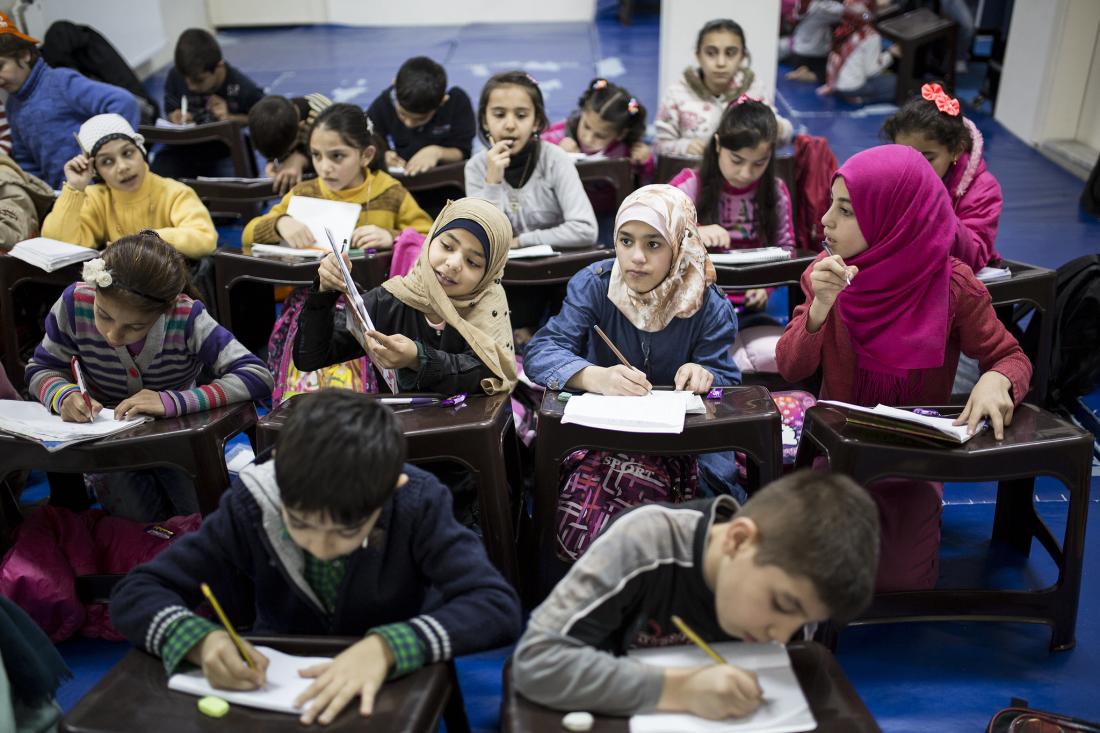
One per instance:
(1075,352)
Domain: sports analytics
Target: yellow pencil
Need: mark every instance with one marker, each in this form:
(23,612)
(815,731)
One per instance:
(697,640)
(228,626)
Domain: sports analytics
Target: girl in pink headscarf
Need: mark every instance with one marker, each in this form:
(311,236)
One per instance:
(885,318)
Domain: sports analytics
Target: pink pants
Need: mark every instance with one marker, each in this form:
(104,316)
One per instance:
(909,512)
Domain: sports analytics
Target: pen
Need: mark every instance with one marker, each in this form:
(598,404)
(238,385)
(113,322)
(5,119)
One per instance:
(228,627)
(614,350)
(697,640)
(78,375)
(415,401)
(830,252)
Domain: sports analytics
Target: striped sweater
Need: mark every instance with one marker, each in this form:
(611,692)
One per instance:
(176,349)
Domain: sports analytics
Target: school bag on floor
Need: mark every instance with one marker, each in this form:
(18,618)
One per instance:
(1022,719)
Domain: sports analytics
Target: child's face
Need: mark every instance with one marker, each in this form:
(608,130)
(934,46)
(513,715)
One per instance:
(413,120)
(13,72)
(758,602)
(120,164)
(595,133)
(457,260)
(119,323)
(510,115)
(643,255)
(933,151)
(841,228)
(326,540)
(338,164)
(207,81)
(719,57)
(744,166)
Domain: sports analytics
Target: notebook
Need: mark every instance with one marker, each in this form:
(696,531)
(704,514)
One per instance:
(657,412)
(360,322)
(750,256)
(991,274)
(895,420)
(283,684)
(535,250)
(49,254)
(31,420)
(165,124)
(317,214)
(785,710)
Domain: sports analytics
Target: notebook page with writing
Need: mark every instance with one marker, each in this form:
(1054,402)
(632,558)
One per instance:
(31,420)
(283,683)
(656,412)
(785,710)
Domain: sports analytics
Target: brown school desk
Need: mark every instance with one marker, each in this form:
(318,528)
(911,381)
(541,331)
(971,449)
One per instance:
(134,696)
(553,270)
(779,273)
(835,704)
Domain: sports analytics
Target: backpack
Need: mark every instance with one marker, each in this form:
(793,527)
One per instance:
(1021,719)
(1075,350)
(814,166)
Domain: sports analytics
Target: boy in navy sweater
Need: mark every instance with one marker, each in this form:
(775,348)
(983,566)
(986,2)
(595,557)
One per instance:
(336,535)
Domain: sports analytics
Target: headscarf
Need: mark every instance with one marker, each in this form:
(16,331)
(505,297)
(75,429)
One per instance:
(896,307)
(481,316)
(680,295)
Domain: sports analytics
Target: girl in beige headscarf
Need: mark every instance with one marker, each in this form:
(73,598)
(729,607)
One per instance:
(444,327)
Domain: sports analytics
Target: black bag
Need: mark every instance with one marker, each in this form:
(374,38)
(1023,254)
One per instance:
(1022,719)
(1090,197)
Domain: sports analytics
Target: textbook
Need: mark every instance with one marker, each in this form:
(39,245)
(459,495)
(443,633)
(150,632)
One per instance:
(535,250)
(49,254)
(750,256)
(281,687)
(657,412)
(785,708)
(32,421)
(317,214)
(360,322)
(895,420)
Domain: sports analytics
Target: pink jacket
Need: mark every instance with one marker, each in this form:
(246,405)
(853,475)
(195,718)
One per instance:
(977,199)
(737,211)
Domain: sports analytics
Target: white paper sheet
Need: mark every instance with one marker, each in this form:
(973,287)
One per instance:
(535,250)
(283,683)
(165,124)
(939,424)
(656,412)
(31,420)
(750,256)
(991,274)
(50,254)
(785,710)
(315,213)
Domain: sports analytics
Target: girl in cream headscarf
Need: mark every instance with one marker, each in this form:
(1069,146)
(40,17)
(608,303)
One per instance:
(657,303)
(444,327)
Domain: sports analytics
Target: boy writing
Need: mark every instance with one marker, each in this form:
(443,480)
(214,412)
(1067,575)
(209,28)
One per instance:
(423,122)
(335,535)
(802,549)
(279,127)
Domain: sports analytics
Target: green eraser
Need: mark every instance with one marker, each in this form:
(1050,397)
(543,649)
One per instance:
(563,396)
(215,707)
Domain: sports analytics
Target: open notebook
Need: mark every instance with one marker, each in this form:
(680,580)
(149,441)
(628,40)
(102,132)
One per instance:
(317,214)
(895,420)
(785,710)
(750,256)
(282,686)
(49,254)
(656,412)
(31,420)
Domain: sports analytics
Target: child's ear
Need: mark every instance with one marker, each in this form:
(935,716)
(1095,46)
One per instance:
(740,532)
(368,155)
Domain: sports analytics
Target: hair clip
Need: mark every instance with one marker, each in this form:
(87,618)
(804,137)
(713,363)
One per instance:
(632,106)
(370,124)
(944,102)
(742,99)
(95,272)
(599,84)
(531,79)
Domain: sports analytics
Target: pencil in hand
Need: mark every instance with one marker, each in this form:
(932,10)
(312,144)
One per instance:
(697,640)
(614,349)
(228,626)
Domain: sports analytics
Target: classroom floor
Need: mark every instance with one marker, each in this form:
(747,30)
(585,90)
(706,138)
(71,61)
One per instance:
(914,677)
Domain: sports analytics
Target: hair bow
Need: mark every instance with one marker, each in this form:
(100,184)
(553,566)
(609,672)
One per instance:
(944,102)
(632,106)
(599,84)
(745,98)
(531,78)
(95,272)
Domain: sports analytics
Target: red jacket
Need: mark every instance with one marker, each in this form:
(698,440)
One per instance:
(973,329)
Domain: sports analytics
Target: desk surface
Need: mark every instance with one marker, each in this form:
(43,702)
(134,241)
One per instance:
(765,274)
(554,270)
(134,696)
(832,699)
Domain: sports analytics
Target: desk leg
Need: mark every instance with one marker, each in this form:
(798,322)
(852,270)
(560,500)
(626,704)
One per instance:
(1064,635)
(496,511)
(207,467)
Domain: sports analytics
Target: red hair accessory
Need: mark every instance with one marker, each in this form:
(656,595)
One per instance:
(944,102)
(599,84)
(744,98)
(632,106)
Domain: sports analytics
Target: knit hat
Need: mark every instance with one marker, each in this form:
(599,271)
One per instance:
(8,27)
(102,129)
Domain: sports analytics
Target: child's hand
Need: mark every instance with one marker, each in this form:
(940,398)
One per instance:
(223,666)
(697,146)
(358,670)
(424,159)
(74,409)
(639,153)
(393,160)
(756,299)
(830,275)
(569,145)
(621,380)
(992,398)
(694,378)
(330,276)
(145,402)
(395,351)
(79,172)
(217,107)
(370,235)
(177,117)
(715,692)
(714,236)
(498,158)
(296,234)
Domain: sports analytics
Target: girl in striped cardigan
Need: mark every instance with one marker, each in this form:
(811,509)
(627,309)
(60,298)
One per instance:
(142,342)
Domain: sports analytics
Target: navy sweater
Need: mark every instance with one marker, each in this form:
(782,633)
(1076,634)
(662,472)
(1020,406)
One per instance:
(420,566)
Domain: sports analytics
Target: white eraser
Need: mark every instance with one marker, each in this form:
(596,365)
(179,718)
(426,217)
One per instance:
(578,721)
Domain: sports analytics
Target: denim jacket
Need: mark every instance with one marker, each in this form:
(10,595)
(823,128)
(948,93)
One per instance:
(567,343)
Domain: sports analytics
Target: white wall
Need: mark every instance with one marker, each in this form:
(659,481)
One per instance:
(682,19)
(397,12)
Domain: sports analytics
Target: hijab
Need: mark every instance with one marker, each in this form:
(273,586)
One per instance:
(896,307)
(481,316)
(681,294)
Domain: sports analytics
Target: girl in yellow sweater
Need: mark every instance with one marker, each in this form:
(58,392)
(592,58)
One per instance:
(129,200)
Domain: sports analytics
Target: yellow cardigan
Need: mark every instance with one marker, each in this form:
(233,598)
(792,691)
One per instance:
(99,214)
(385,203)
